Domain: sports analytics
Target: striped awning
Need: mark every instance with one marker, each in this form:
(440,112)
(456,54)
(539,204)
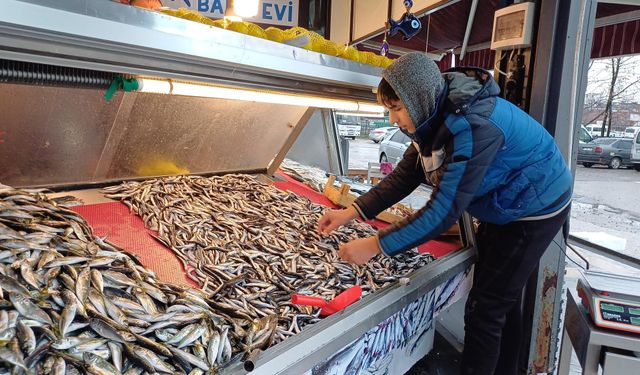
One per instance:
(616,40)
(444,63)
(483,58)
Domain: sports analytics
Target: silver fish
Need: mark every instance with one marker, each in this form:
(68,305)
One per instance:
(97,300)
(116,355)
(98,366)
(82,284)
(96,280)
(105,330)
(27,337)
(212,348)
(190,358)
(12,286)
(59,367)
(28,275)
(12,357)
(67,317)
(191,336)
(66,261)
(28,308)
(151,361)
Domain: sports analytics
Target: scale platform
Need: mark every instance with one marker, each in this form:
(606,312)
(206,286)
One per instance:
(613,301)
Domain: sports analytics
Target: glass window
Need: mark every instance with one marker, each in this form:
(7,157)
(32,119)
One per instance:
(584,136)
(397,136)
(625,145)
(604,141)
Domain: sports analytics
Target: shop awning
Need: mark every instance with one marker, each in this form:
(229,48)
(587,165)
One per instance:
(618,33)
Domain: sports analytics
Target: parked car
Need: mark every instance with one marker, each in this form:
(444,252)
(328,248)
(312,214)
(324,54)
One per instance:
(612,152)
(393,147)
(631,131)
(595,130)
(635,152)
(378,134)
(349,130)
(584,136)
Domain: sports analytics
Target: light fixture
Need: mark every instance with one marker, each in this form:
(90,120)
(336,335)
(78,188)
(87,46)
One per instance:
(238,9)
(362,114)
(163,86)
(245,8)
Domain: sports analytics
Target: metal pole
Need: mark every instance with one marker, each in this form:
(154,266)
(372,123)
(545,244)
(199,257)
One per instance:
(563,47)
(472,14)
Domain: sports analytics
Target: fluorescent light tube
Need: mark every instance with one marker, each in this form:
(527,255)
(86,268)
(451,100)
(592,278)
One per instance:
(159,86)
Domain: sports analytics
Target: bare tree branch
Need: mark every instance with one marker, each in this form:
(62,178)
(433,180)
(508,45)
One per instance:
(628,86)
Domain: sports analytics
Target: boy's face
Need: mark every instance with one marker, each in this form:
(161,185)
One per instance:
(398,115)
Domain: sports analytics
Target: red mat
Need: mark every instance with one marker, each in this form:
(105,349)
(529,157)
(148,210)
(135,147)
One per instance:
(127,230)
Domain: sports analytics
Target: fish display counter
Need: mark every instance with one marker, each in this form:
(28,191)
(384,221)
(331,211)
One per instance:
(172,242)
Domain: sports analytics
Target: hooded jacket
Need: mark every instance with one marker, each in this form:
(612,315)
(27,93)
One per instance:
(499,164)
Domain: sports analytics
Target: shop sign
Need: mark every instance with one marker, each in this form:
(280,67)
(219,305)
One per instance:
(270,12)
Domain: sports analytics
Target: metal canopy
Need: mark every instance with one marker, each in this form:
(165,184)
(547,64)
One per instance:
(107,36)
(615,34)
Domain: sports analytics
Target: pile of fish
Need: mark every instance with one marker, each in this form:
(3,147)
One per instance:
(71,302)
(251,246)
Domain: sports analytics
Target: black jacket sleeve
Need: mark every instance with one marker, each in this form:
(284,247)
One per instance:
(404,179)
(475,148)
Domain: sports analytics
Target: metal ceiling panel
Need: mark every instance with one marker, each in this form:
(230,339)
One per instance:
(52,135)
(107,36)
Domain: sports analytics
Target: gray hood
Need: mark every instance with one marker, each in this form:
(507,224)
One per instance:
(418,82)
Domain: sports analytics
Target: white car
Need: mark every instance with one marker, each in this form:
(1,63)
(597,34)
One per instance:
(378,134)
(635,152)
(392,148)
(349,131)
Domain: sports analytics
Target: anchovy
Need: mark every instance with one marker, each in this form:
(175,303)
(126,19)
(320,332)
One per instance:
(65,261)
(28,308)
(98,366)
(96,280)
(116,355)
(59,367)
(190,358)
(26,336)
(67,317)
(11,285)
(82,284)
(105,330)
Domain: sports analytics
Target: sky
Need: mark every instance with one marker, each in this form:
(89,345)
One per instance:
(600,77)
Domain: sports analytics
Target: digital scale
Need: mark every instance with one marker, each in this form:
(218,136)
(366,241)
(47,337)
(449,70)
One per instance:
(613,301)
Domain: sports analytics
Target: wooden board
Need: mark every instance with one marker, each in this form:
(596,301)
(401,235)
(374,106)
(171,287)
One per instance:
(342,197)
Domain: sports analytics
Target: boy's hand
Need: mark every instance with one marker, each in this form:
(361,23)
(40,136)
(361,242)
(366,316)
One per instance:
(334,219)
(360,251)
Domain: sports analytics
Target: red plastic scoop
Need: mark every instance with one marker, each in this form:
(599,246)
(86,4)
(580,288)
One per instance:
(341,301)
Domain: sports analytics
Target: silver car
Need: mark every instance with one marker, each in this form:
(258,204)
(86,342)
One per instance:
(393,147)
(612,152)
(378,134)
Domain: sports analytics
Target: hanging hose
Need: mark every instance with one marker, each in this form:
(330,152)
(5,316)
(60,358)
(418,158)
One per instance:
(50,75)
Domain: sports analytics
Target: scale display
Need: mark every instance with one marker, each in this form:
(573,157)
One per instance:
(620,313)
(613,301)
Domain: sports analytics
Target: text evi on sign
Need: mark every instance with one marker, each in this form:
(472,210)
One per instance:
(274,12)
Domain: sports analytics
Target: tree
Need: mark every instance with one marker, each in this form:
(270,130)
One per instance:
(611,81)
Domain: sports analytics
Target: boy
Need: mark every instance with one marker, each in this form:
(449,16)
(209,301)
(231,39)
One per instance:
(483,155)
